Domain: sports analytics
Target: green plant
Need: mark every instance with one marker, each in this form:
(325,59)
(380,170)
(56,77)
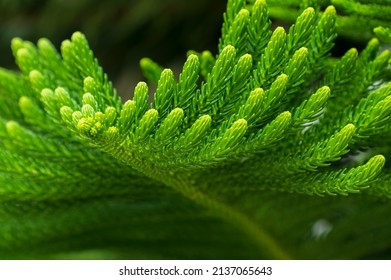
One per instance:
(129,29)
(356,18)
(223,163)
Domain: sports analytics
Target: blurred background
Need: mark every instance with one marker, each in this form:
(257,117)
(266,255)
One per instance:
(120,32)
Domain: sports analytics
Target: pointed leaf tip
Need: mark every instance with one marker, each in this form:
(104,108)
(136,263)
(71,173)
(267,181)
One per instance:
(349,128)
(24,102)
(89,84)
(377,161)
(324,90)
(321,95)
(12,128)
(285,115)
(46,93)
(192,57)
(66,114)
(309,10)
(330,10)
(77,36)
(303,51)
(66,46)
(35,74)
(243,13)
(239,123)
(22,53)
(279,31)
(282,77)
(16,43)
(87,110)
(229,48)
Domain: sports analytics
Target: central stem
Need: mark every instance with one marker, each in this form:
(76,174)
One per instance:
(181,184)
(261,238)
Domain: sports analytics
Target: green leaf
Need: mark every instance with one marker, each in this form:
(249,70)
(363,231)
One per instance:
(226,166)
(165,92)
(151,70)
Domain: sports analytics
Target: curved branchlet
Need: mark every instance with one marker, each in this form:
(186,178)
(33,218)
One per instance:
(271,111)
(252,97)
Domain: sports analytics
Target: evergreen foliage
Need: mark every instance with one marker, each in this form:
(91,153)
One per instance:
(241,155)
(356,19)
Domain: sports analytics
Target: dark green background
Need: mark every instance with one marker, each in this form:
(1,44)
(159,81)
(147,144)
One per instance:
(120,32)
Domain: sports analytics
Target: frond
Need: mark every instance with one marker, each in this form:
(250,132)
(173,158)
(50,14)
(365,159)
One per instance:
(272,117)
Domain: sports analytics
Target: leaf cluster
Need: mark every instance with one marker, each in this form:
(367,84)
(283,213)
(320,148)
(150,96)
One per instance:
(234,146)
(356,19)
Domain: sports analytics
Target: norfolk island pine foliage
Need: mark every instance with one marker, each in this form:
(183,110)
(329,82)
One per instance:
(269,149)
